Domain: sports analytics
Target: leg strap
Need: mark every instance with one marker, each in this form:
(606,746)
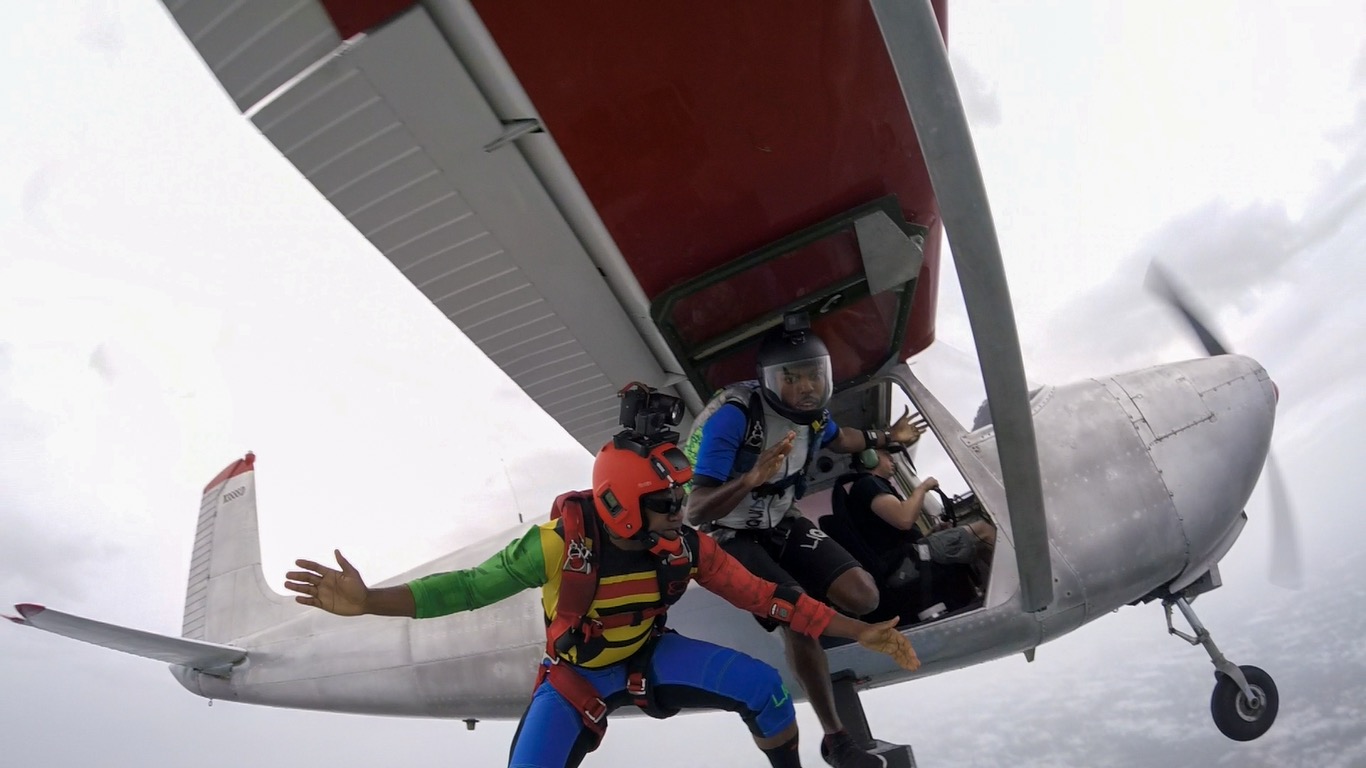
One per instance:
(638,683)
(580,694)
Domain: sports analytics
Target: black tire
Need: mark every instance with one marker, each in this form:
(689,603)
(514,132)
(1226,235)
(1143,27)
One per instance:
(1234,715)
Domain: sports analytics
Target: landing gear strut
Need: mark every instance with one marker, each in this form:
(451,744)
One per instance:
(850,710)
(1245,701)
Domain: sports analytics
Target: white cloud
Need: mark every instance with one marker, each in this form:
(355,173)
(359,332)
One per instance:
(172,294)
(980,103)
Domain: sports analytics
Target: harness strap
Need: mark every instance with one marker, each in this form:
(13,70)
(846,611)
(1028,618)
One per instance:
(754,426)
(638,683)
(674,571)
(591,707)
(578,584)
(615,620)
(779,487)
(579,693)
(578,578)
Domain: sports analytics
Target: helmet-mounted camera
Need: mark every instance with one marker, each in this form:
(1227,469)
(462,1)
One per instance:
(641,460)
(796,322)
(647,416)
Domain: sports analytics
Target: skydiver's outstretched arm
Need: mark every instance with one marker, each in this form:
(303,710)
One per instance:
(724,575)
(518,566)
(906,430)
(344,593)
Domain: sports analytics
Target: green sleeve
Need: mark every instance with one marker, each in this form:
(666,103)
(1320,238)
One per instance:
(521,565)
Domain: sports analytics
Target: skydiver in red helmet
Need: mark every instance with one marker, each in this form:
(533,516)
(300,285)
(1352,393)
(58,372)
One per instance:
(603,653)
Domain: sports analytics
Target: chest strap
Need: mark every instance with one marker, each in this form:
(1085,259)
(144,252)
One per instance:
(590,628)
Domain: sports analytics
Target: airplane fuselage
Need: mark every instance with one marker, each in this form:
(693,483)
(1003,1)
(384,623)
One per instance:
(1145,475)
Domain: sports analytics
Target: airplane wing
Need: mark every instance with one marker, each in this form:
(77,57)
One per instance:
(393,129)
(196,654)
(591,200)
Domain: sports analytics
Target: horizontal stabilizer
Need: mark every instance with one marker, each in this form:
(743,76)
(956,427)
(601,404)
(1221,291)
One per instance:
(196,654)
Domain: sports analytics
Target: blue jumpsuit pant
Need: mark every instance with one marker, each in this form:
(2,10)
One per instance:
(685,673)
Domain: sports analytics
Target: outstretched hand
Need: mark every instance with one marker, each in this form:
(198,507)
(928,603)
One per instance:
(341,592)
(883,638)
(770,461)
(907,430)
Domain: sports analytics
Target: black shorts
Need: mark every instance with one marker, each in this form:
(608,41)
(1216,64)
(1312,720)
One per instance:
(794,553)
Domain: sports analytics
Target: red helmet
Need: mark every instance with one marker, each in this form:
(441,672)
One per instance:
(627,469)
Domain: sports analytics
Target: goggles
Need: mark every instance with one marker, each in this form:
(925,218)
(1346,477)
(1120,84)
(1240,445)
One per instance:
(668,502)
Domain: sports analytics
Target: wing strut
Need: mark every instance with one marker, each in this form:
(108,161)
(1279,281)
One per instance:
(916,47)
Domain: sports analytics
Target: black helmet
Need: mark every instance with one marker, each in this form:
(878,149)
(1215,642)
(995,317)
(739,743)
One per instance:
(792,356)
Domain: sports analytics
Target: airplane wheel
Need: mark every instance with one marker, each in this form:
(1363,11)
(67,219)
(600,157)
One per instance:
(1235,716)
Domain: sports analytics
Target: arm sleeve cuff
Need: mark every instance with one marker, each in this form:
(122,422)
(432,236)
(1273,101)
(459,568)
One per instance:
(811,616)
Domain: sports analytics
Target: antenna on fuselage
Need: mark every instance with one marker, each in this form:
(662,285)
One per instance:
(513,489)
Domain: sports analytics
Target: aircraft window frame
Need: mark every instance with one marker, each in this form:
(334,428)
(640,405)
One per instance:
(826,301)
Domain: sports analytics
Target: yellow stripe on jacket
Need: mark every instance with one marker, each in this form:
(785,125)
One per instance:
(627,583)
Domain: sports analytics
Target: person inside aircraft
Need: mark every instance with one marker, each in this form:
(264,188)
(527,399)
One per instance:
(604,651)
(752,445)
(918,571)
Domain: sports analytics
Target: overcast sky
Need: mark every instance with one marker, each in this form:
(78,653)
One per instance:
(172,294)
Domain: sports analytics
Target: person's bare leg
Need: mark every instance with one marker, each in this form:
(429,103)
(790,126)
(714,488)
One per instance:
(807,659)
(985,533)
(853,592)
(781,749)
(779,739)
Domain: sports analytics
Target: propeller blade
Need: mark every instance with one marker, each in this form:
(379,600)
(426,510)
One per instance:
(1159,283)
(1286,568)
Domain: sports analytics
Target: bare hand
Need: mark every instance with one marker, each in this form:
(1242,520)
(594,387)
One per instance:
(770,461)
(341,592)
(907,430)
(883,638)
(927,485)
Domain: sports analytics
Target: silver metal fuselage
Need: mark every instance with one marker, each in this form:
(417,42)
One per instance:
(1145,477)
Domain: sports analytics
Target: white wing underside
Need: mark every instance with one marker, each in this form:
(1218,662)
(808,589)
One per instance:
(195,654)
(404,139)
